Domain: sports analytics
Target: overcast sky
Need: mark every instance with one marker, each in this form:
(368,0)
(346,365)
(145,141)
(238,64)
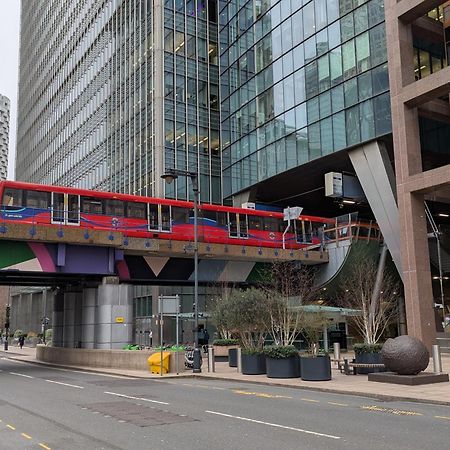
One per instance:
(9,63)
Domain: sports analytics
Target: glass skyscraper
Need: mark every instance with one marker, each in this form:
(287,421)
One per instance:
(114,92)
(299,80)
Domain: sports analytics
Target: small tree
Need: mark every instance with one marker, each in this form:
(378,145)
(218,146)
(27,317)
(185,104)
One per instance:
(220,313)
(245,314)
(312,327)
(378,309)
(292,287)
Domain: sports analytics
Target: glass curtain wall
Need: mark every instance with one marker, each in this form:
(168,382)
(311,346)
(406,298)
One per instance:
(64,86)
(191,96)
(300,80)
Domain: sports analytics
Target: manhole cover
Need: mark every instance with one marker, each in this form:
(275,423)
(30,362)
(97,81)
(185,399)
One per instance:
(139,415)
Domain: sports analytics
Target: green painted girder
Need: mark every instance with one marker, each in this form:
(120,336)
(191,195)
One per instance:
(14,252)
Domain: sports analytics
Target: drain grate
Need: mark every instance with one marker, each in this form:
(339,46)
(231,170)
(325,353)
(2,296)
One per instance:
(139,415)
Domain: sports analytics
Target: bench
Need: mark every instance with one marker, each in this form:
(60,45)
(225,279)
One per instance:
(349,367)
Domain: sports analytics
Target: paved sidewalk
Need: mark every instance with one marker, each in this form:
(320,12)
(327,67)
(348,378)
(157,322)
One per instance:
(438,393)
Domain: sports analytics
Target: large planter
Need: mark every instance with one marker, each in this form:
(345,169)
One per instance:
(221,352)
(253,364)
(369,358)
(232,357)
(315,368)
(283,368)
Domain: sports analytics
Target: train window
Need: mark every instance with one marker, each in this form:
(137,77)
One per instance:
(136,210)
(180,215)
(37,199)
(221,219)
(243,228)
(270,224)
(255,223)
(232,224)
(91,205)
(12,198)
(114,208)
(153,221)
(165,217)
(207,214)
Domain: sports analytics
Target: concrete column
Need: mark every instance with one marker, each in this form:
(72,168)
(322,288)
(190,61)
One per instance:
(77,319)
(69,319)
(416,269)
(114,318)
(58,319)
(89,305)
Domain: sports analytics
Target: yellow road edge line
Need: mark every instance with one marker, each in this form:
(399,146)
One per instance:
(442,417)
(10,427)
(44,446)
(25,435)
(337,404)
(309,400)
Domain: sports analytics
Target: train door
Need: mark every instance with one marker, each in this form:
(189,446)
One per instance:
(159,218)
(237,225)
(65,209)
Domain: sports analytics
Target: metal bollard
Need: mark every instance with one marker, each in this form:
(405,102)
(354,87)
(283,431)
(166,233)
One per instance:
(211,359)
(437,362)
(337,351)
(239,360)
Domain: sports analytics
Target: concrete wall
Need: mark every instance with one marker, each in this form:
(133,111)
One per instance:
(113,359)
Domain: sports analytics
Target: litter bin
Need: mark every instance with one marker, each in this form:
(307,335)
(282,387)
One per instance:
(154,362)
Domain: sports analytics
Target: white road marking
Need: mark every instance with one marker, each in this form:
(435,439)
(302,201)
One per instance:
(65,384)
(274,425)
(136,398)
(20,375)
(99,374)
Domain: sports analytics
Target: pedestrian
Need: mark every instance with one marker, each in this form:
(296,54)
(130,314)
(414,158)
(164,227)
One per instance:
(206,337)
(21,341)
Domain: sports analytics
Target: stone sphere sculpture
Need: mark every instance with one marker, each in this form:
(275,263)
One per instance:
(405,355)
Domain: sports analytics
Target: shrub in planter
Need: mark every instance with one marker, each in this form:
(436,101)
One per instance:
(225,342)
(282,361)
(222,348)
(315,368)
(368,354)
(253,362)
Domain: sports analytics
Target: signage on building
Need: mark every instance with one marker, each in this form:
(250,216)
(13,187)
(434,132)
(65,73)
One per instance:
(120,320)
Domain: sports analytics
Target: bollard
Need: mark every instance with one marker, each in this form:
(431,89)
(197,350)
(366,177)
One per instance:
(239,360)
(211,359)
(337,351)
(437,362)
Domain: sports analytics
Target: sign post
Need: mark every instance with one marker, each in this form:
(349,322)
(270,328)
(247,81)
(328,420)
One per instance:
(290,214)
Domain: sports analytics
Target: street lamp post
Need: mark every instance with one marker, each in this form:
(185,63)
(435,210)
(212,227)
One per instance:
(169,177)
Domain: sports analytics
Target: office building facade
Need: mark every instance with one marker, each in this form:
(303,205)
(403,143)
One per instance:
(113,93)
(260,97)
(4,135)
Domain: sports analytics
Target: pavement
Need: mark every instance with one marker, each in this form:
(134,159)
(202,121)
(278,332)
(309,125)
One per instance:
(438,393)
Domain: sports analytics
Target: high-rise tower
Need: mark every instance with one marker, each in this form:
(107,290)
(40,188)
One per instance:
(111,93)
(4,136)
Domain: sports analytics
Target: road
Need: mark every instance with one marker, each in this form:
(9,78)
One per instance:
(48,408)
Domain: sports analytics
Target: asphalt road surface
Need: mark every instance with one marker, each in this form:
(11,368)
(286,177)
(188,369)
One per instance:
(48,408)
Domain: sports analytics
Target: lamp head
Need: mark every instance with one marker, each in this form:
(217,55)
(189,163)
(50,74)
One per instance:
(169,177)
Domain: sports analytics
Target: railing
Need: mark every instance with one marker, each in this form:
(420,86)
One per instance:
(348,227)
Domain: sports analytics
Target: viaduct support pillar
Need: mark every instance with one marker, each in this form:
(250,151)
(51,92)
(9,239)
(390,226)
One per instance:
(88,310)
(58,319)
(114,319)
(72,319)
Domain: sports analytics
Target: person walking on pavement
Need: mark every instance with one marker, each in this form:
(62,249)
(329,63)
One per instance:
(21,341)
